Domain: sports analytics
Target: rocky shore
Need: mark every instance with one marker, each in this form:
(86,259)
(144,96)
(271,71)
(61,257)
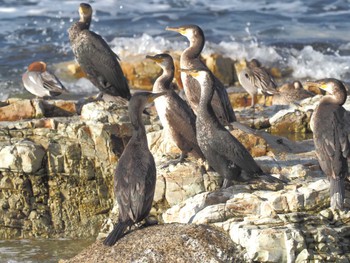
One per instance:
(57,160)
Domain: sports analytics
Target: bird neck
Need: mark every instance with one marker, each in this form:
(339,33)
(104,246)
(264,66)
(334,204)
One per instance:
(205,108)
(86,20)
(165,79)
(337,98)
(195,48)
(139,130)
(76,29)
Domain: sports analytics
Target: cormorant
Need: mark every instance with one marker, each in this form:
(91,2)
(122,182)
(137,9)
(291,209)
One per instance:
(255,78)
(290,94)
(40,82)
(96,58)
(330,125)
(174,113)
(190,59)
(225,154)
(135,175)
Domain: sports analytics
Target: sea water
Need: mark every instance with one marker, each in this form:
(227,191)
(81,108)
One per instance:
(310,37)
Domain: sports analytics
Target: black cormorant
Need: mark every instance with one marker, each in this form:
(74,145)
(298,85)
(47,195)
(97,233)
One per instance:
(135,175)
(225,154)
(255,78)
(290,93)
(330,125)
(40,82)
(96,58)
(190,59)
(174,113)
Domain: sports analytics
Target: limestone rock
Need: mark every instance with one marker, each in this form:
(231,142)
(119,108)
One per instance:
(24,156)
(165,243)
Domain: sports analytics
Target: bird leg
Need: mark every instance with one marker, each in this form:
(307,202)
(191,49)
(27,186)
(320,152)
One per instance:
(175,162)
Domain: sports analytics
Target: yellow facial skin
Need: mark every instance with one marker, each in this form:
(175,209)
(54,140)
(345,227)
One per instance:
(156,59)
(180,30)
(192,72)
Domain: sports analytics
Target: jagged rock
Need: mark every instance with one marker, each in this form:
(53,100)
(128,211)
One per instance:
(165,243)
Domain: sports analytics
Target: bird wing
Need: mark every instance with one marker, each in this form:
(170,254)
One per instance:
(226,145)
(136,176)
(334,145)
(182,118)
(52,83)
(263,80)
(98,60)
(224,100)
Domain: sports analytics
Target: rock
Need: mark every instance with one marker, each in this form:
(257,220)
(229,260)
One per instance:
(165,243)
(21,109)
(24,156)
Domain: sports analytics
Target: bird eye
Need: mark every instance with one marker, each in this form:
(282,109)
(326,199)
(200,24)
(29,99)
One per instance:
(246,75)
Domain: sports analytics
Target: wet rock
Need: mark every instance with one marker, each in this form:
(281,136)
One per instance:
(165,243)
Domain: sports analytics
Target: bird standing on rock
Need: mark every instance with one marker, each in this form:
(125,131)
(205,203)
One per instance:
(96,58)
(135,175)
(255,78)
(40,82)
(225,154)
(330,124)
(190,59)
(174,113)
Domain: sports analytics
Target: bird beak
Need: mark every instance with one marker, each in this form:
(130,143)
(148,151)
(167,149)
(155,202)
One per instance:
(153,96)
(180,30)
(154,58)
(192,72)
(319,84)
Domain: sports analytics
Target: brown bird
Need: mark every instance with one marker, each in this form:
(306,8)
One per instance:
(96,58)
(290,93)
(190,59)
(135,175)
(224,153)
(255,78)
(174,113)
(330,124)
(40,82)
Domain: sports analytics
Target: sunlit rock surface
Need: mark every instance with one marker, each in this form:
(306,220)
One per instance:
(56,180)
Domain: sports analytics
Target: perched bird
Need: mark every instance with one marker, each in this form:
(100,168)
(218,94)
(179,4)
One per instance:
(330,125)
(135,175)
(174,113)
(190,59)
(290,94)
(96,58)
(40,82)
(225,154)
(255,78)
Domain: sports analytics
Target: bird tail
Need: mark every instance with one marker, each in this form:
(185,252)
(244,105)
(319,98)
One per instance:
(116,234)
(337,192)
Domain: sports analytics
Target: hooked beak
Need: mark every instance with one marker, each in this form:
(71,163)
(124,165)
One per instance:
(180,30)
(155,58)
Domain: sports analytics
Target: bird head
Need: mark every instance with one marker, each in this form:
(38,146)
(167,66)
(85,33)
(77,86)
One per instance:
(330,85)
(164,60)
(191,32)
(37,66)
(85,12)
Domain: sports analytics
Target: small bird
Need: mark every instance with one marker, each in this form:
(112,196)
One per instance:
(190,59)
(225,154)
(174,113)
(330,124)
(96,58)
(40,82)
(135,175)
(290,93)
(255,78)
